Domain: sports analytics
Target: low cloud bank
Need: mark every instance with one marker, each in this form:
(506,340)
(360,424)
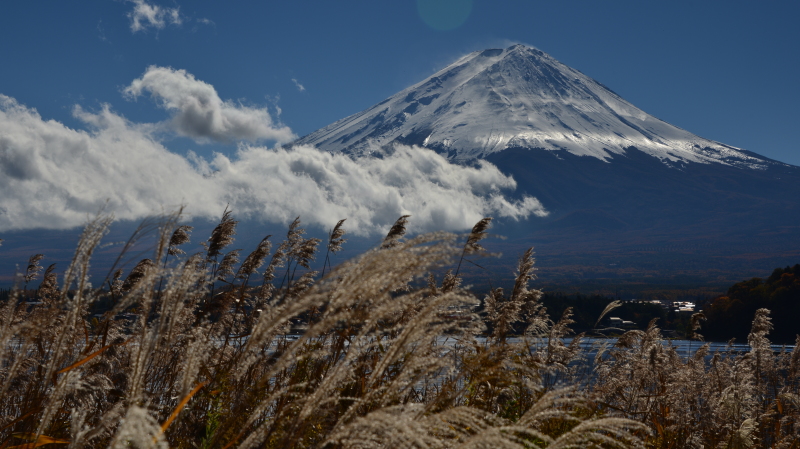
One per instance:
(55,177)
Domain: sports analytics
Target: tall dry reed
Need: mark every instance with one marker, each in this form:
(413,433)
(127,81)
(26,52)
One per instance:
(202,351)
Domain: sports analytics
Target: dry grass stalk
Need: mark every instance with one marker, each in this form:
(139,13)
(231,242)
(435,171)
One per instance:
(381,363)
(336,237)
(694,325)
(472,245)
(335,242)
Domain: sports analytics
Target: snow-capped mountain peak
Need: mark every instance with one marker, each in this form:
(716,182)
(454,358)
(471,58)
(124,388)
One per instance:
(519,97)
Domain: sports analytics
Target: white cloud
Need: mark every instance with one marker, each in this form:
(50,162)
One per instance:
(299,86)
(199,112)
(52,176)
(146,15)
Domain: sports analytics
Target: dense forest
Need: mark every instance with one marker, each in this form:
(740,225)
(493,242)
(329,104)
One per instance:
(729,316)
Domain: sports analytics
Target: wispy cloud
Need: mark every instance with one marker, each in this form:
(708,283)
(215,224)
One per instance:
(146,15)
(52,176)
(299,86)
(199,112)
(101,34)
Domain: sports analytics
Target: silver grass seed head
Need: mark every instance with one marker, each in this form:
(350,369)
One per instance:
(761,327)
(278,258)
(478,233)
(525,273)
(255,259)
(450,281)
(33,270)
(195,261)
(138,272)
(301,285)
(335,241)
(222,235)
(762,323)
(179,237)
(794,360)
(49,278)
(49,286)
(138,429)
(277,261)
(694,325)
(294,236)
(493,302)
(305,252)
(49,270)
(116,283)
(433,287)
(225,268)
(397,231)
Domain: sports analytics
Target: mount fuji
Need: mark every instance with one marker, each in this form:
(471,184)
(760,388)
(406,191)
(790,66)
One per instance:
(520,97)
(616,180)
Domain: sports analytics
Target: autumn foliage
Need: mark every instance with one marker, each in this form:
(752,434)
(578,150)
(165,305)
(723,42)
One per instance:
(729,316)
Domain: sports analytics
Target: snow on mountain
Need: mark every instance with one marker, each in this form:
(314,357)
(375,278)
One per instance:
(520,97)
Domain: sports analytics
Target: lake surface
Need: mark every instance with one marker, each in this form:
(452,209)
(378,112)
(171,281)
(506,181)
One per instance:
(684,348)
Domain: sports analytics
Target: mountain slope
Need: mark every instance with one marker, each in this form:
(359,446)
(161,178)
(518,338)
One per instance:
(519,97)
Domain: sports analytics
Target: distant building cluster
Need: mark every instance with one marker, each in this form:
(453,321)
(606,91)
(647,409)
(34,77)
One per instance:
(677,306)
(683,306)
(620,323)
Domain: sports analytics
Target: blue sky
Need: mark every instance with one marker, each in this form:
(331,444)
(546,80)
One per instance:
(726,71)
